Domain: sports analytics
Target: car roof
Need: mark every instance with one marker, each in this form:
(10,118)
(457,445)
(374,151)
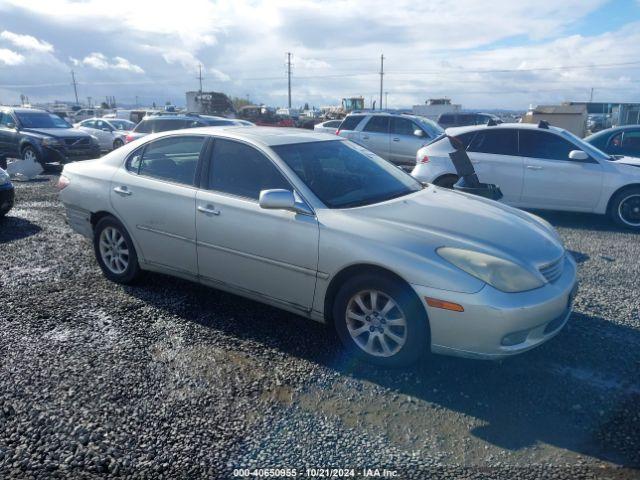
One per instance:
(23,109)
(609,131)
(454,131)
(265,136)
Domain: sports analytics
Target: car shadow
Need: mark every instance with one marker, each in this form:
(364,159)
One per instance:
(581,221)
(16,228)
(568,393)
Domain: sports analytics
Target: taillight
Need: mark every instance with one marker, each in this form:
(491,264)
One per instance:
(424,159)
(63,182)
(338,132)
(128,138)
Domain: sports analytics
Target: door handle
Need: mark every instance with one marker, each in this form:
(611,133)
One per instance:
(534,167)
(209,210)
(365,137)
(122,190)
(396,139)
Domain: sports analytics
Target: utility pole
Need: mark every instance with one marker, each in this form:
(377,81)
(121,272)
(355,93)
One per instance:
(75,86)
(386,100)
(136,101)
(381,75)
(200,75)
(591,96)
(289,76)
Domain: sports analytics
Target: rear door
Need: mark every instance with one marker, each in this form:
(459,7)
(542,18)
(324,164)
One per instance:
(8,137)
(551,179)
(375,135)
(495,158)
(154,196)
(404,143)
(269,253)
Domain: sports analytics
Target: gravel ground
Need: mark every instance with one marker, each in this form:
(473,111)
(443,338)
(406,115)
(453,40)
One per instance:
(169,379)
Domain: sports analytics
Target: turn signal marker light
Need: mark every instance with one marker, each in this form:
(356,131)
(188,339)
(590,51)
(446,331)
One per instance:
(435,303)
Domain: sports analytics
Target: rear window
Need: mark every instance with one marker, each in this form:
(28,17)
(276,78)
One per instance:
(351,122)
(497,142)
(156,125)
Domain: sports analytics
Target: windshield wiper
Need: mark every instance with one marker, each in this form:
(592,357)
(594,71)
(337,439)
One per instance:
(371,201)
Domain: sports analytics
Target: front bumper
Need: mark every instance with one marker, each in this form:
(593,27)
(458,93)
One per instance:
(64,154)
(490,315)
(7,196)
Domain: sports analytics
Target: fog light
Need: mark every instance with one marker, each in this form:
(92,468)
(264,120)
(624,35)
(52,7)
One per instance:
(514,338)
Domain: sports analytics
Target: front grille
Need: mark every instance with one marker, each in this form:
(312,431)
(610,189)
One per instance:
(77,142)
(553,270)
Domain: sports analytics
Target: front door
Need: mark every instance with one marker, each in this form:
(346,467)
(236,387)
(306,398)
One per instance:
(154,196)
(551,179)
(269,253)
(8,137)
(404,144)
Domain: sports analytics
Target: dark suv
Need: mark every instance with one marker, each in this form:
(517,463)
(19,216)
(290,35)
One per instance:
(38,135)
(175,121)
(460,119)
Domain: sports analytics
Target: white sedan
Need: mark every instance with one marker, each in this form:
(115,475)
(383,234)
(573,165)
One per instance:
(110,132)
(539,167)
(330,126)
(319,226)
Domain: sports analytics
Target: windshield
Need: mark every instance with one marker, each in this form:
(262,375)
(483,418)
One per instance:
(587,147)
(122,124)
(344,175)
(41,120)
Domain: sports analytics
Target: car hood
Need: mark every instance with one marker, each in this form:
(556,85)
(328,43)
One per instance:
(57,132)
(634,161)
(436,217)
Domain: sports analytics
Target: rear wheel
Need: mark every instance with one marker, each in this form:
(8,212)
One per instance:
(115,252)
(117,143)
(625,208)
(381,320)
(446,181)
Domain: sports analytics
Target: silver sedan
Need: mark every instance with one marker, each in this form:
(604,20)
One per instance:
(319,226)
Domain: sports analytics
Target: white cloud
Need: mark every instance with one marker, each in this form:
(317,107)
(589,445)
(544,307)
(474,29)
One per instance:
(219,75)
(9,57)
(101,62)
(26,42)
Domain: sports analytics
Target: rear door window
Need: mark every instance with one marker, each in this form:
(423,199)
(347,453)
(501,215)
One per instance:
(537,144)
(351,122)
(164,125)
(173,159)
(497,142)
(377,124)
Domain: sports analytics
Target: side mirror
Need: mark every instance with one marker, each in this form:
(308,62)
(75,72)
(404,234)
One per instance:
(578,155)
(418,133)
(105,129)
(11,125)
(277,199)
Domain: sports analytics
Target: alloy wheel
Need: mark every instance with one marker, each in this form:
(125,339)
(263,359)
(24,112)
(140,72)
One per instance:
(114,250)
(30,155)
(629,210)
(376,323)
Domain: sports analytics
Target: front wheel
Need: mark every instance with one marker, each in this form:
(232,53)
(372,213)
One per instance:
(625,208)
(30,154)
(115,252)
(117,143)
(381,320)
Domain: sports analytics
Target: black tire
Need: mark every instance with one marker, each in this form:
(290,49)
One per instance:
(117,143)
(624,209)
(29,150)
(132,271)
(417,343)
(446,181)
(3,163)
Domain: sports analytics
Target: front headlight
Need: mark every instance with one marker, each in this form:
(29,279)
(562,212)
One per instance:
(497,272)
(4,177)
(50,142)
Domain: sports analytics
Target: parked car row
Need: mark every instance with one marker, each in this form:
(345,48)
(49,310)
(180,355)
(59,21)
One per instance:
(110,132)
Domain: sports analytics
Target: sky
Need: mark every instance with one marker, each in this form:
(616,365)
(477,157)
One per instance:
(500,54)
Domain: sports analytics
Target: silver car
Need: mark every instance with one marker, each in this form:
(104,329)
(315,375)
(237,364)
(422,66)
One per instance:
(393,136)
(320,226)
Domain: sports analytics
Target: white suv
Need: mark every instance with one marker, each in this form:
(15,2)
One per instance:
(539,167)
